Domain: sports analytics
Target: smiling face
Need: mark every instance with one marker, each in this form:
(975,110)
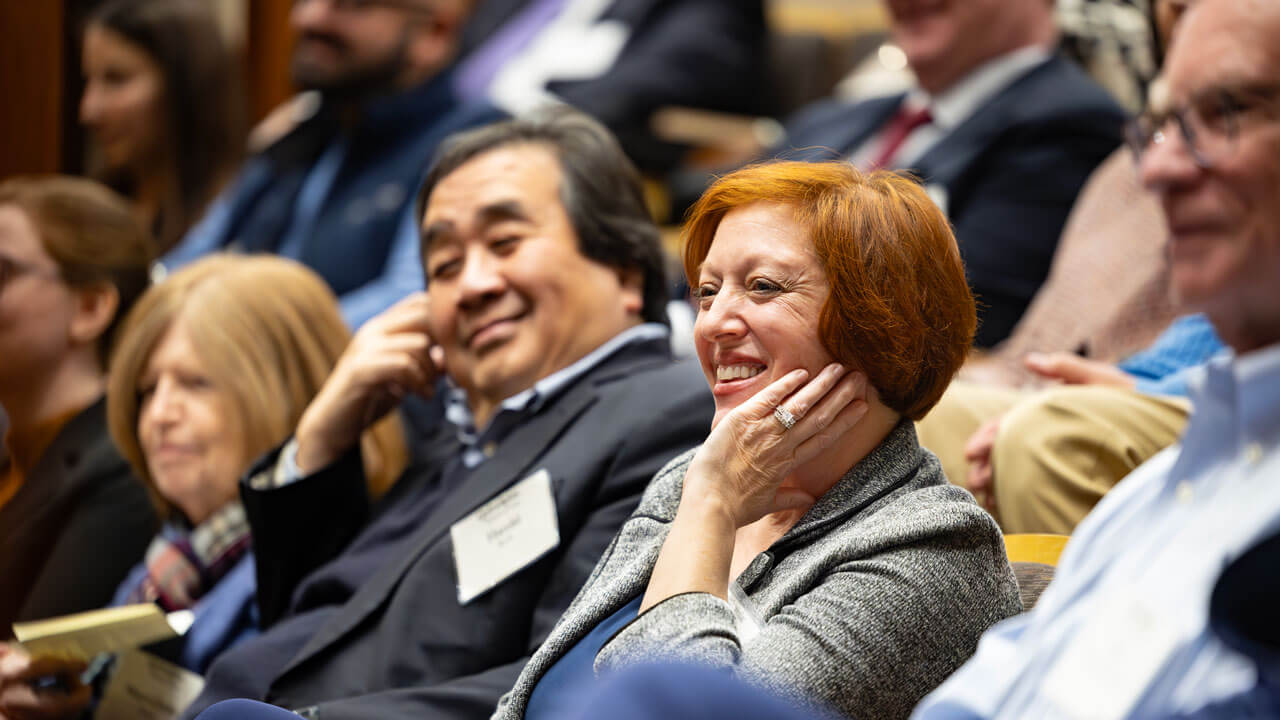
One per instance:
(1224,221)
(188,429)
(121,105)
(512,299)
(760,292)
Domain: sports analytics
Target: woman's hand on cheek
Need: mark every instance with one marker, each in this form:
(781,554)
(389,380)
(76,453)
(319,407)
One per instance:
(741,466)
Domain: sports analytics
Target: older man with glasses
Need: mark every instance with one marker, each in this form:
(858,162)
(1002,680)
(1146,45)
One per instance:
(1125,628)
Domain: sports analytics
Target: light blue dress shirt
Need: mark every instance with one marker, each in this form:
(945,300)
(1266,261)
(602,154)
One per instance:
(1164,366)
(1122,631)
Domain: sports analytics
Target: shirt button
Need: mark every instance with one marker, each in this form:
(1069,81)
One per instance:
(1253,453)
(490,448)
(1185,493)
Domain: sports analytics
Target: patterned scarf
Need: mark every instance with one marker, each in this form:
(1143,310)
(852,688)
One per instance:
(184,563)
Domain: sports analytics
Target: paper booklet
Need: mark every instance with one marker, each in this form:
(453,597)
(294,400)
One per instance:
(84,635)
(144,687)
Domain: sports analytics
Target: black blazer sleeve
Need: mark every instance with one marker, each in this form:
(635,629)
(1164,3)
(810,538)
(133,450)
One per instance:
(301,526)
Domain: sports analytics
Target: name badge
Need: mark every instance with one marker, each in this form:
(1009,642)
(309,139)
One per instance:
(504,536)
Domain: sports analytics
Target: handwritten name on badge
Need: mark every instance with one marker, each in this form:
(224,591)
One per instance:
(504,536)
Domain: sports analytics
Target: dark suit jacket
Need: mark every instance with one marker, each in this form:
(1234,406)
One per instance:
(1011,174)
(74,529)
(695,53)
(1242,612)
(400,645)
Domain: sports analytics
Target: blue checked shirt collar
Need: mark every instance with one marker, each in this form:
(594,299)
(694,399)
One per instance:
(479,444)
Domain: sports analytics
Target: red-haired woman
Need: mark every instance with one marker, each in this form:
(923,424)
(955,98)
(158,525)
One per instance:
(810,545)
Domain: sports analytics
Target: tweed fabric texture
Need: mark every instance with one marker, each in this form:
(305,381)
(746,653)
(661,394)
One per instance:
(876,595)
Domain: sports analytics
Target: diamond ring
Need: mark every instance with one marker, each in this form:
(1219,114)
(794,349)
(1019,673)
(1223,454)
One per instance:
(785,417)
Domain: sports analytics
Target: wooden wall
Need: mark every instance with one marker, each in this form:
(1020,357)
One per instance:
(40,77)
(32,71)
(268,44)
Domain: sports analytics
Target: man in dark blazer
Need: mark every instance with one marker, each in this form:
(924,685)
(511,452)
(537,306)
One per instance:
(1012,132)
(619,61)
(544,311)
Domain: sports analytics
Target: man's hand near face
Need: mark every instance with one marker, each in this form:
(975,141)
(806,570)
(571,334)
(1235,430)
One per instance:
(389,358)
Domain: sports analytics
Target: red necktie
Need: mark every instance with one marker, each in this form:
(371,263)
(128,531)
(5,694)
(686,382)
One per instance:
(897,132)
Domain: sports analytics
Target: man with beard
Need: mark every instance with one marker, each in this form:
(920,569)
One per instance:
(335,191)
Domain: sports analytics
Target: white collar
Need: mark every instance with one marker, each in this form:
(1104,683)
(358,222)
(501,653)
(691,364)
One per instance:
(954,105)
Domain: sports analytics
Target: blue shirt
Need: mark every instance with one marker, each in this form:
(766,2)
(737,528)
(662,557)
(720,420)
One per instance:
(479,444)
(224,616)
(1123,629)
(561,689)
(339,197)
(1163,368)
(402,273)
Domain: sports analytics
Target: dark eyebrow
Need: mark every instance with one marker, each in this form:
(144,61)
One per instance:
(500,211)
(432,233)
(488,215)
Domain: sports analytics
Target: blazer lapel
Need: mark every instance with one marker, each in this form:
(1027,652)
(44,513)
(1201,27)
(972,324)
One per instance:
(949,158)
(843,130)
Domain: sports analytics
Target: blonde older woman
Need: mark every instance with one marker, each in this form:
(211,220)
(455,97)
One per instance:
(810,545)
(215,366)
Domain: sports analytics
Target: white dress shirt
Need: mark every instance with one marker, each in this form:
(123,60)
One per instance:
(953,106)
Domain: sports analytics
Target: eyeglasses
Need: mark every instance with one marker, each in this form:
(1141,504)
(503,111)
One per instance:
(1210,122)
(10,269)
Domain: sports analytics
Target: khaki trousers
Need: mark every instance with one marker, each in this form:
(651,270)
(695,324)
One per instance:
(1058,451)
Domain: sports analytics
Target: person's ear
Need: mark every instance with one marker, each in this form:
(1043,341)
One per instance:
(632,284)
(95,309)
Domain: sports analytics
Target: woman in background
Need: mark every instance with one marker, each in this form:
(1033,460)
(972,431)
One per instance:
(72,261)
(214,367)
(165,109)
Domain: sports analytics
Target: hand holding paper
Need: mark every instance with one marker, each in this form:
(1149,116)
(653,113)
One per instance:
(41,688)
(84,635)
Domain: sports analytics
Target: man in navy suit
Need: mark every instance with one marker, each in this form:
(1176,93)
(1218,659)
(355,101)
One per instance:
(545,310)
(1001,129)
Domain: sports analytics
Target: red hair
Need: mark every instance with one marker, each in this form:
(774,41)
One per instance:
(899,309)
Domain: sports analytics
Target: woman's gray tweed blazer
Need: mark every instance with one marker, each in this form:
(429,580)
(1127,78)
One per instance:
(877,594)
